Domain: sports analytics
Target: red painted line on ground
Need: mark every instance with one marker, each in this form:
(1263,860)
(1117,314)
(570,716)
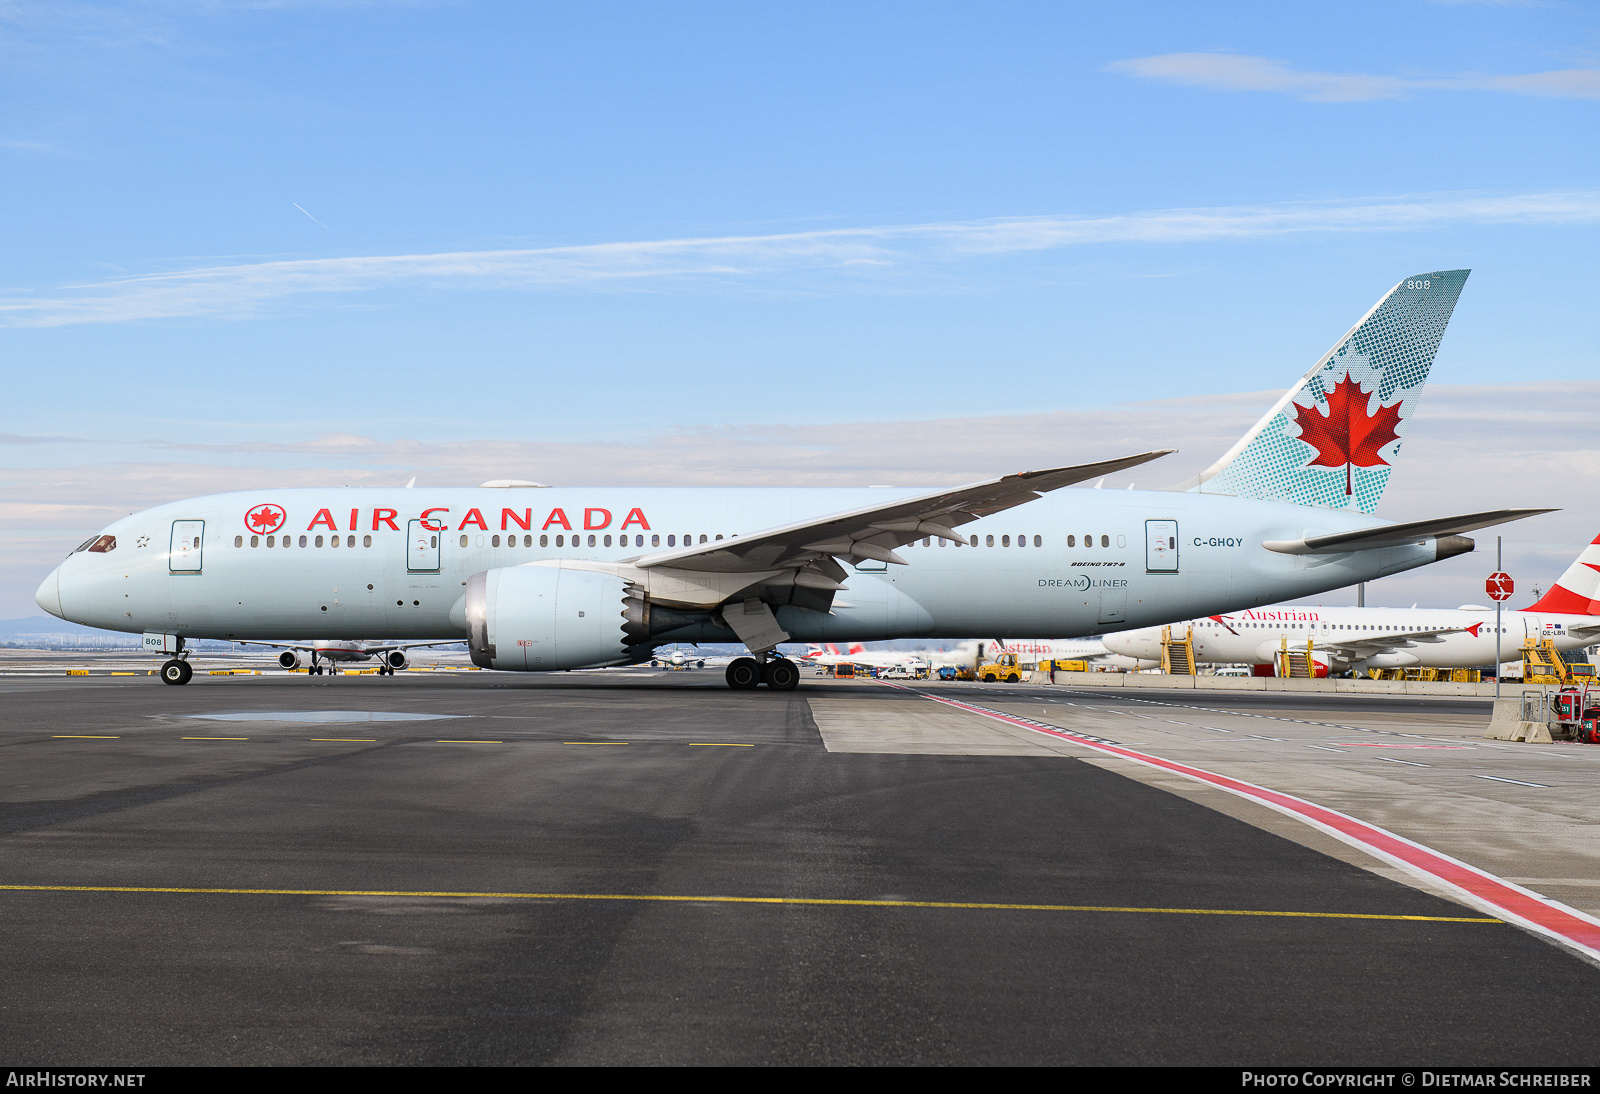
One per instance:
(1502,898)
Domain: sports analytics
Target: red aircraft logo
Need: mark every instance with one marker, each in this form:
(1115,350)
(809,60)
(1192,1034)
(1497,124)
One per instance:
(1347,436)
(265,518)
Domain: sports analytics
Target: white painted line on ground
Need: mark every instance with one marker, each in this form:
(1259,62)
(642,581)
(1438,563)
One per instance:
(1519,782)
(1524,907)
(1408,763)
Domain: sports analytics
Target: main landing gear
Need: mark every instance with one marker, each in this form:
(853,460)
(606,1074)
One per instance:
(778,673)
(176,671)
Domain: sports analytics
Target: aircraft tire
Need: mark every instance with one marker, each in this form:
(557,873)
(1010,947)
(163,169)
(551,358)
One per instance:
(744,673)
(176,672)
(780,674)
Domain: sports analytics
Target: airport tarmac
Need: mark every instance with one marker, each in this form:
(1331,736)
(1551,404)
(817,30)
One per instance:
(646,867)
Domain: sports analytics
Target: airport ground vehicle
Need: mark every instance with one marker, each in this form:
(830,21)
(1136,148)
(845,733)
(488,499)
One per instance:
(947,672)
(1003,667)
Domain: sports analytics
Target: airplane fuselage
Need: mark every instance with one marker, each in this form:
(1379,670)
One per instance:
(393,564)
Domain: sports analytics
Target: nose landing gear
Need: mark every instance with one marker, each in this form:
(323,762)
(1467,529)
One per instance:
(176,671)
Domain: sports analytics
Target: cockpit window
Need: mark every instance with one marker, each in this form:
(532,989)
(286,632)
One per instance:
(102,545)
(84,546)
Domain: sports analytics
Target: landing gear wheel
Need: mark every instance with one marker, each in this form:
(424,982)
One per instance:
(176,672)
(744,673)
(780,674)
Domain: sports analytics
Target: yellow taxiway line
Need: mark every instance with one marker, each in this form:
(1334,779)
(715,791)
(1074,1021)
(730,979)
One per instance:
(821,901)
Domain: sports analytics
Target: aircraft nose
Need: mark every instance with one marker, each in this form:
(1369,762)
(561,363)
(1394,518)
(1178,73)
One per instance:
(49,595)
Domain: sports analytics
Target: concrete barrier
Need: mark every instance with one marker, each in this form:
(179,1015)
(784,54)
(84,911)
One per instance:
(1267,683)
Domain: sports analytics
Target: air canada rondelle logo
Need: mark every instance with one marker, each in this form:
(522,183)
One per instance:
(265,518)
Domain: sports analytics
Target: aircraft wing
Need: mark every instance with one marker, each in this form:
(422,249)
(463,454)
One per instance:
(875,532)
(408,645)
(309,646)
(1370,644)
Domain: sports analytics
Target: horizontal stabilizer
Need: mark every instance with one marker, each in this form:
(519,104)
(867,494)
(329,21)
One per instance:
(1393,535)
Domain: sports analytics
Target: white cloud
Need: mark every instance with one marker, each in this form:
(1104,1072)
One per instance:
(883,252)
(1239,72)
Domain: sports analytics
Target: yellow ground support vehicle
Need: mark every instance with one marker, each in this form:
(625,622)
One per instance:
(1003,667)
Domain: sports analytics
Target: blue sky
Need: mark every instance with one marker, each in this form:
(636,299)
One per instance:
(234,228)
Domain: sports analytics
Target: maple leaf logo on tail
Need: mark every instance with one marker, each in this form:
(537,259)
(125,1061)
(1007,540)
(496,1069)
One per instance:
(1347,436)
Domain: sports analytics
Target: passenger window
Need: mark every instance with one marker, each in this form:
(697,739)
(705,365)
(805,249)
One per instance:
(238,541)
(638,541)
(366,541)
(1038,541)
(559,542)
(608,541)
(1105,541)
(1005,541)
(463,541)
(302,541)
(719,538)
(494,542)
(702,539)
(672,541)
(591,541)
(272,541)
(255,541)
(988,541)
(319,541)
(544,541)
(1072,541)
(655,541)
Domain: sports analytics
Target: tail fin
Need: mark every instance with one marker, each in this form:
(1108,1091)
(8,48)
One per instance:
(1578,591)
(1330,440)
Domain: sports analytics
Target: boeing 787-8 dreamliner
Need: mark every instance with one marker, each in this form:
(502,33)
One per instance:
(541,579)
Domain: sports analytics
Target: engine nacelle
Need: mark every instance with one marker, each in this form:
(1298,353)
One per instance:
(395,659)
(543,618)
(289,659)
(1393,659)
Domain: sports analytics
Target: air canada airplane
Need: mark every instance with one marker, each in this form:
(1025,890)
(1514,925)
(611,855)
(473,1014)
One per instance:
(1387,638)
(538,579)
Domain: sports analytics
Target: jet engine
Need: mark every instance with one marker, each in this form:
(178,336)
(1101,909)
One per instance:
(289,659)
(395,659)
(541,618)
(1393,659)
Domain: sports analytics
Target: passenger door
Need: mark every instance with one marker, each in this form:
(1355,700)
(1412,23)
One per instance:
(184,554)
(422,548)
(1160,546)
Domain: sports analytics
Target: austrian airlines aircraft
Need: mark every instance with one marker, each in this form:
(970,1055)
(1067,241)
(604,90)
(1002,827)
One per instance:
(540,579)
(1389,638)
